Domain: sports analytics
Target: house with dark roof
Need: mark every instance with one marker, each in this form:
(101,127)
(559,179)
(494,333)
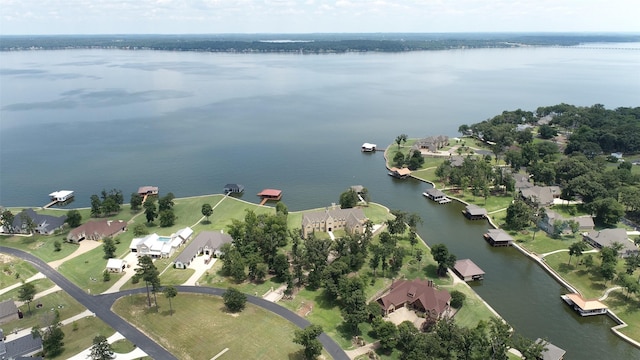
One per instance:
(42,224)
(498,237)
(419,295)
(437,196)
(207,243)
(96,230)
(148,190)
(551,219)
(609,237)
(233,188)
(541,195)
(467,270)
(551,351)
(23,347)
(351,220)
(432,143)
(474,212)
(8,311)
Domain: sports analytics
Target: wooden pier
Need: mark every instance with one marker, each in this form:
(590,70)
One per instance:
(50,204)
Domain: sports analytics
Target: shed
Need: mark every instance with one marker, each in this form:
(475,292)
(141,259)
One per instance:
(233,188)
(467,270)
(116,265)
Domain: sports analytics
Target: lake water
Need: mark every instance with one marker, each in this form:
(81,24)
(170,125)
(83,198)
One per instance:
(189,123)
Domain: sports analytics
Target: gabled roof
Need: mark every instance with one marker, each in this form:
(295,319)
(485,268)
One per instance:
(44,223)
(270,192)
(8,307)
(100,228)
(417,290)
(584,304)
(115,263)
(608,237)
(433,192)
(499,235)
(466,267)
(211,239)
(352,216)
(543,195)
(475,210)
(402,172)
(553,352)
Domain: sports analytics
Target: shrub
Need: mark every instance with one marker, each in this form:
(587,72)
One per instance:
(457,299)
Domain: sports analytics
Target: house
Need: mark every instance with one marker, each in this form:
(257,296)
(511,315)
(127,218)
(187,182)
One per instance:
(351,220)
(541,195)
(116,265)
(42,224)
(402,173)
(498,237)
(23,347)
(551,352)
(608,237)
(584,307)
(432,143)
(159,246)
(233,188)
(367,147)
(418,295)
(96,230)
(148,190)
(522,181)
(437,196)
(467,270)
(206,243)
(551,219)
(61,195)
(473,212)
(8,311)
(456,161)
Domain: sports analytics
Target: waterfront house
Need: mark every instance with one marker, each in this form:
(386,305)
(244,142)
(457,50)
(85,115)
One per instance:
(21,347)
(148,190)
(96,230)
(432,143)
(498,237)
(436,195)
(8,311)
(418,295)
(158,246)
(116,265)
(522,180)
(551,351)
(351,220)
(584,307)
(233,188)
(473,212)
(609,237)
(467,270)
(401,173)
(207,243)
(40,224)
(367,147)
(456,161)
(540,195)
(551,219)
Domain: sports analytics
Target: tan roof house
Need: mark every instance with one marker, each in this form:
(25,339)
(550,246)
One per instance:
(96,230)
(419,295)
(351,220)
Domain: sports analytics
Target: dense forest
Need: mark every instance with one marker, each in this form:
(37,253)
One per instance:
(303,43)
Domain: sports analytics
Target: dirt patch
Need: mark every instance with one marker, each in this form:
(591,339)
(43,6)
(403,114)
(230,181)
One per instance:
(305,309)
(5,258)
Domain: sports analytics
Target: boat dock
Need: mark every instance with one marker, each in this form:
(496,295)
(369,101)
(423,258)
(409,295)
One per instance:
(60,196)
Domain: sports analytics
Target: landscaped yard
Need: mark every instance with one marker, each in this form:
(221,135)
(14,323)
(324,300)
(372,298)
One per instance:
(42,316)
(86,270)
(41,246)
(14,270)
(39,284)
(252,334)
(79,337)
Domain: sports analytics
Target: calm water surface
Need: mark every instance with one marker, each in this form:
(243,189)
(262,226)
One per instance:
(191,122)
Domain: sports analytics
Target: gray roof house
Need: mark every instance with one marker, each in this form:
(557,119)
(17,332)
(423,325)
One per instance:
(351,220)
(44,224)
(608,237)
(19,348)
(207,243)
(432,143)
(552,218)
(542,195)
(552,352)
(8,311)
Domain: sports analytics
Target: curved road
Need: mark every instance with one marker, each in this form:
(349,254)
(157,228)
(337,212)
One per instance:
(101,306)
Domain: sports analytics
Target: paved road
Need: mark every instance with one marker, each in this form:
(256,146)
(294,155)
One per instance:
(101,306)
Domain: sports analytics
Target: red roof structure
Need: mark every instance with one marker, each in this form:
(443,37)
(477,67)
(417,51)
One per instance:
(270,193)
(420,295)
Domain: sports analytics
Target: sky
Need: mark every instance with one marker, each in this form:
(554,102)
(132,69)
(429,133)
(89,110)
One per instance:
(49,17)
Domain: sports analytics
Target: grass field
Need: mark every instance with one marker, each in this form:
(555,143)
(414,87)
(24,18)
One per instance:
(39,284)
(252,334)
(80,339)
(41,246)
(14,270)
(86,270)
(61,301)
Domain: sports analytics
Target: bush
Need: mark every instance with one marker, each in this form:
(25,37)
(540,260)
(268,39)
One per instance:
(234,300)
(457,299)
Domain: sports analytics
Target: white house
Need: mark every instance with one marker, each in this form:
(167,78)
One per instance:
(116,265)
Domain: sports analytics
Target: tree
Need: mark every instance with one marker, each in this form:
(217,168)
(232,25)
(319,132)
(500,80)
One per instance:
(101,349)
(207,210)
(608,211)
(234,300)
(167,218)
(281,265)
(402,138)
(140,229)
(6,220)
(457,299)
(148,272)
(95,206)
(109,247)
(576,249)
(26,292)
(444,259)
(387,333)
(348,199)
(170,292)
(354,302)
(136,201)
(74,218)
(547,132)
(52,336)
(106,275)
(57,246)
(518,215)
(499,333)
(150,210)
(308,338)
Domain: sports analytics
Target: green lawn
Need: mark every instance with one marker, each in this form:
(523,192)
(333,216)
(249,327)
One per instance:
(175,276)
(473,309)
(628,309)
(39,284)
(14,270)
(543,243)
(80,339)
(122,346)
(86,270)
(41,246)
(61,301)
(252,334)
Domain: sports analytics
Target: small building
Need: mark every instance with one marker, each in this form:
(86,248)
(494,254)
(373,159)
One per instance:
(498,237)
(207,243)
(23,347)
(8,311)
(233,188)
(28,221)
(552,352)
(473,212)
(437,196)
(418,295)
(467,270)
(584,307)
(402,173)
(351,220)
(97,230)
(609,237)
(116,265)
(270,194)
(367,147)
(148,190)
(61,195)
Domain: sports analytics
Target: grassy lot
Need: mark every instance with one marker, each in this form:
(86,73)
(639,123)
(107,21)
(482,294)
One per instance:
(86,270)
(14,270)
(175,276)
(543,243)
(122,346)
(628,309)
(189,335)
(65,304)
(80,339)
(39,284)
(40,245)
(473,309)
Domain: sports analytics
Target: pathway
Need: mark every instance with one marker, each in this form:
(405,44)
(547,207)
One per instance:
(23,332)
(85,246)
(606,293)
(363,350)
(17,285)
(134,354)
(37,296)
(131,260)
(200,268)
